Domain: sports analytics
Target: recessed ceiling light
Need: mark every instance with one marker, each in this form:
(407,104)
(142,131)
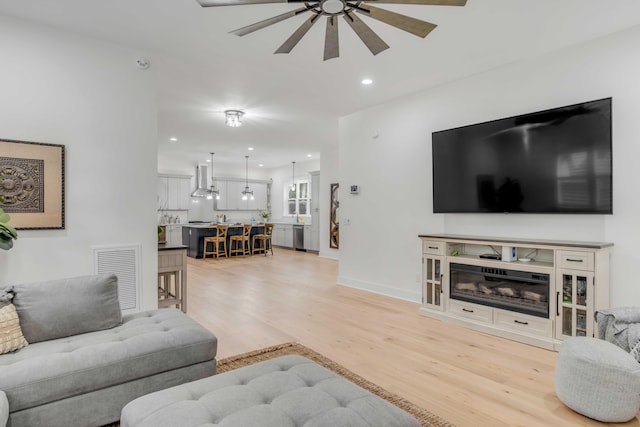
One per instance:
(173,139)
(261,165)
(367,81)
(208,160)
(250,148)
(309,155)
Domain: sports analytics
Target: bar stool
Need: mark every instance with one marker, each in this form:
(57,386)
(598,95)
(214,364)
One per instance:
(219,239)
(241,242)
(265,238)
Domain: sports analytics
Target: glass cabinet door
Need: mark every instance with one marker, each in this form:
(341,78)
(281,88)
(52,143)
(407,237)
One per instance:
(432,283)
(575,308)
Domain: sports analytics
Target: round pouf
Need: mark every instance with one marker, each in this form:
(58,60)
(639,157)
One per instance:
(598,379)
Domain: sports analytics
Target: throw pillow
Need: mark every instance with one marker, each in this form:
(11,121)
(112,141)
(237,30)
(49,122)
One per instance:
(65,307)
(6,295)
(11,338)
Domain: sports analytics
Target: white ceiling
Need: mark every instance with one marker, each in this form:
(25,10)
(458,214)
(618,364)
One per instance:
(292,101)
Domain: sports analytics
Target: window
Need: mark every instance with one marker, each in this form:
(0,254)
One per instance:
(297,199)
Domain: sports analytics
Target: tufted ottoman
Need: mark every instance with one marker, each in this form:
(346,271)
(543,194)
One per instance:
(287,391)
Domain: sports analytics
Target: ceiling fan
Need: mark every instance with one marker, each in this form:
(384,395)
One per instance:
(332,9)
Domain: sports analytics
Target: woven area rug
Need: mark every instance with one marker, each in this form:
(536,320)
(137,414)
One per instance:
(426,418)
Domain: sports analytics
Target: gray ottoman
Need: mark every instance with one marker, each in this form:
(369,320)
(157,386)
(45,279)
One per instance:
(598,379)
(287,391)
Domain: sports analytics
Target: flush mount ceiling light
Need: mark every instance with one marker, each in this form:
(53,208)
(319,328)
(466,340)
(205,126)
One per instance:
(233,118)
(246,193)
(332,9)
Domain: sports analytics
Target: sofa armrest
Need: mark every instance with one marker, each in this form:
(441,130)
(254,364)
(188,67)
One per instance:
(4,409)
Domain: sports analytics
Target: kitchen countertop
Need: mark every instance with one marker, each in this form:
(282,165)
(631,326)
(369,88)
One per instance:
(169,246)
(213,225)
(237,224)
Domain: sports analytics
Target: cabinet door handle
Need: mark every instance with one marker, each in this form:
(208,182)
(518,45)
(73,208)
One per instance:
(558,303)
(433,247)
(521,323)
(574,260)
(467,310)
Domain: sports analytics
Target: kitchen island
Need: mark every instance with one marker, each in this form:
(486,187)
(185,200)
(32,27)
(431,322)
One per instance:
(172,276)
(193,235)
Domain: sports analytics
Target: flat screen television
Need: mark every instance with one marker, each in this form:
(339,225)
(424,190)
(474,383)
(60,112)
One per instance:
(555,161)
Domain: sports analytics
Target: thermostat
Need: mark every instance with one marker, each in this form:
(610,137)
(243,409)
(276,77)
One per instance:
(355,189)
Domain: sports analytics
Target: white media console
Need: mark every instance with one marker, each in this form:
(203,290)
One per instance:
(549,291)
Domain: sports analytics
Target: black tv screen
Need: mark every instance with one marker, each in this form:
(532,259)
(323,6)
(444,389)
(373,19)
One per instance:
(552,161)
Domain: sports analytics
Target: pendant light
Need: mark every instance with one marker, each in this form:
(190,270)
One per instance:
(292,187)
(246,193)
(213,191)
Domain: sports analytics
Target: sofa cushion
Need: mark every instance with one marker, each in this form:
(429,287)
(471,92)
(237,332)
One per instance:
(66,307)
(11,338)
(145,344)
(4,409)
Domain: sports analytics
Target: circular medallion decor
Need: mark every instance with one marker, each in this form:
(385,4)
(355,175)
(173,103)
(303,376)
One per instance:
(22,184)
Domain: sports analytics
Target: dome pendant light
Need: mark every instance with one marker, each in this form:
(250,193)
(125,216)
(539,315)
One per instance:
(246,193)
(213,191)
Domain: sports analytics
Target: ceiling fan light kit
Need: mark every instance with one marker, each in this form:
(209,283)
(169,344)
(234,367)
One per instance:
(332,9)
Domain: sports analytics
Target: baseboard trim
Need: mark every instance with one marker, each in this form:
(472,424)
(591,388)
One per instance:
(380,289)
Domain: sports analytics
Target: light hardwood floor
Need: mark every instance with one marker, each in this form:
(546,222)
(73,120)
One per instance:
(466,377)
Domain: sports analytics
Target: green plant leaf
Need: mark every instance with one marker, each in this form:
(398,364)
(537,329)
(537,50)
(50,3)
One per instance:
(5,244)
(9,231)
(4,217)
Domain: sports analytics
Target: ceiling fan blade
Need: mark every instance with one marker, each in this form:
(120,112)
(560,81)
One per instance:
(331,47)
(295,37)
(422,2)
(366,34)
(209,3)
(412,25)
(262,24)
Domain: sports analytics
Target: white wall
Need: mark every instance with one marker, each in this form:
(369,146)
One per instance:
(387,151)
(282,177)
(56,87)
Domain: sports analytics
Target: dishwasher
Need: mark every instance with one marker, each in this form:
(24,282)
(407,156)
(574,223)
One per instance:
(298,237)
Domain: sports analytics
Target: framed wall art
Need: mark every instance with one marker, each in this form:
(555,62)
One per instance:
(32,184)
(334,218)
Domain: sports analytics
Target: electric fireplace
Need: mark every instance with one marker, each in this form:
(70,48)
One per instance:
(519,291)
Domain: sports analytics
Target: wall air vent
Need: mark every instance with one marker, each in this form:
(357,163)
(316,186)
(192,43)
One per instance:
(124,262)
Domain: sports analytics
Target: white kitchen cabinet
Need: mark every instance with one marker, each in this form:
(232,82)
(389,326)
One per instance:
(179,193)
(234,196)
(184,199)
(259,202)
(221,203)
(174,192)
(163,189)
(174,234)
(231,196)
(283,235)
(307,238)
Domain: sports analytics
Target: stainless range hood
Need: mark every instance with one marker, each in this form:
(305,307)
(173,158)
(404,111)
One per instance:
(201,182)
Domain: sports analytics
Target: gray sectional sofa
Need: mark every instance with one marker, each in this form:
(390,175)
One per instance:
(85,361)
